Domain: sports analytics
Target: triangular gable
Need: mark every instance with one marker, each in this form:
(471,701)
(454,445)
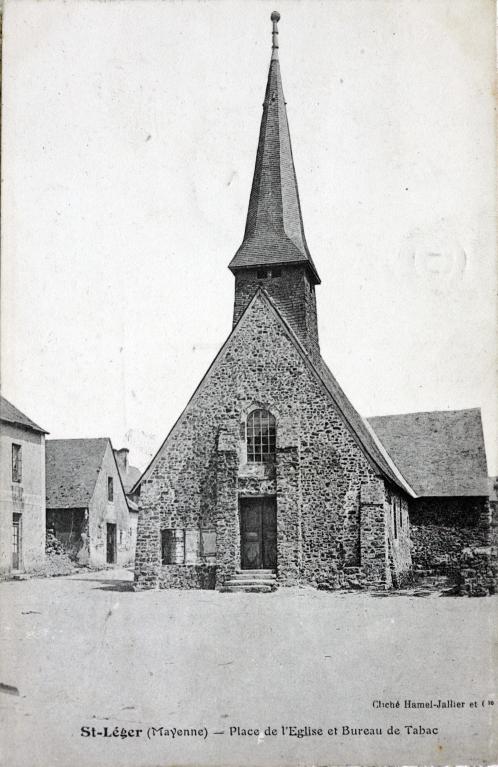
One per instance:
(360,431)
(110,447)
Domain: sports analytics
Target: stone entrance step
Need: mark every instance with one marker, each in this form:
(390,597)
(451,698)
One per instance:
(256,574)
(256,581)
(254,588)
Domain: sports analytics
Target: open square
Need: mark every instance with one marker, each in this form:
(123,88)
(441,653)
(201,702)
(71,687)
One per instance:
(87,651)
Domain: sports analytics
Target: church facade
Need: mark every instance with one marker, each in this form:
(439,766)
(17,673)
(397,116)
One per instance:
(270,476)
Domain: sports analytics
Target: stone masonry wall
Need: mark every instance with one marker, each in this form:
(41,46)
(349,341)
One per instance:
(462,512)
(374,558)
(227,510)
(478,573)
(443,527)
(200,576)
(398,537)
(199,474)
(292,292)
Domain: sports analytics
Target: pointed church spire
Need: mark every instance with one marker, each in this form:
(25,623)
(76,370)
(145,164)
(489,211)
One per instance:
(274,231)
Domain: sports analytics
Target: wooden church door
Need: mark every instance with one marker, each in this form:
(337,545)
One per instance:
(258,533)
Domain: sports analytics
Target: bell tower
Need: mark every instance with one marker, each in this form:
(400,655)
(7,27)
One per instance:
(274,254)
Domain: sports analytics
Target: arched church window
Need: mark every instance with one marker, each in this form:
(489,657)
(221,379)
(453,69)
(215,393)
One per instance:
(261,437)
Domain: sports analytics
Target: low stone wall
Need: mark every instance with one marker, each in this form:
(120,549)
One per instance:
(478,575)
(453,511)
(439,547)
(187,577)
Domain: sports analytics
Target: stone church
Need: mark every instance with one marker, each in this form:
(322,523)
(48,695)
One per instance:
(270,476)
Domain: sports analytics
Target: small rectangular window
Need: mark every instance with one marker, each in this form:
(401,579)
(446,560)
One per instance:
(395,518)
(276,272)
(120,537)
(261,274)
(16,463)
(110,489)
(173,546)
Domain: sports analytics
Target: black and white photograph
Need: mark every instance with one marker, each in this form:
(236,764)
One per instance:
(248,412)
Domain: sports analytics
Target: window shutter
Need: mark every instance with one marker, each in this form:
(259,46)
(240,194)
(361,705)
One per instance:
(208,543)
(192,541)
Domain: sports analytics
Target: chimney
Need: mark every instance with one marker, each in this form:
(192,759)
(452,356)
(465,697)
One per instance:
(122,458)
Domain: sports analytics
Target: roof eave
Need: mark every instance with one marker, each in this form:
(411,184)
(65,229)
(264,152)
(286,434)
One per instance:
(27,427)
(305,262)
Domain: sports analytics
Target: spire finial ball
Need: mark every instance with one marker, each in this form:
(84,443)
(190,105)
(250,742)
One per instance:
(275,16)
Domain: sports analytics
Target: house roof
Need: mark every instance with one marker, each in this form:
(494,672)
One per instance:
(10,414)
(440,453)
(72,467)
(274,232)
(360,429)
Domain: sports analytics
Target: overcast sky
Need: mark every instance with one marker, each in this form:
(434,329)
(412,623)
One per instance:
(130,132)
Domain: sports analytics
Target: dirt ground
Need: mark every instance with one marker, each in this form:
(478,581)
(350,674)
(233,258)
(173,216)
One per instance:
(86,651)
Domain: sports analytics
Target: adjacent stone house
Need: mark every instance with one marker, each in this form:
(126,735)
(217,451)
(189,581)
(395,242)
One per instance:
(443,457)
(129,477)
(270,476)
(87,508)
(22,491)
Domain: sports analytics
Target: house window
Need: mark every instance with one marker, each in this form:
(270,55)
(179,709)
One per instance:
(261,274)
(16,463)
(173,546)
(120,537)
(276,272)
(110,489)
(260,437)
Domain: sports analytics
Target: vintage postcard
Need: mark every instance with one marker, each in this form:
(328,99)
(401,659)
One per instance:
(248,496)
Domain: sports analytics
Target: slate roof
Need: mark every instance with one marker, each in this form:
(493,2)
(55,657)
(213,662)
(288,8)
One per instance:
(440,453)
(365,436)
(72,467)
(10,414)
(364,433)
(274,232)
